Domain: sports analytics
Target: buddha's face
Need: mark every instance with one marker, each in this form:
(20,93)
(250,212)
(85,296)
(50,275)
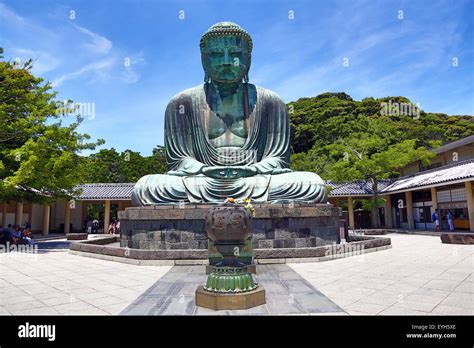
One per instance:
(226,58)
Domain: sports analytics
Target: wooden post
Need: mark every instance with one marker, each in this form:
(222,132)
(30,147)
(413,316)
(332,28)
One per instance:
(409,206)
(350,211)
(107,216)
(388,212)
(19,213)
(46,215)
(470,204)
(67,217)
(434,198)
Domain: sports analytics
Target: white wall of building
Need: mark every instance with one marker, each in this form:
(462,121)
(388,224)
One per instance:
(10,219)
(76,217)
(58,215)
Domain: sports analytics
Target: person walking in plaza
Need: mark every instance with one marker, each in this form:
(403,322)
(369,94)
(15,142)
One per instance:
(435,219)
(450,221)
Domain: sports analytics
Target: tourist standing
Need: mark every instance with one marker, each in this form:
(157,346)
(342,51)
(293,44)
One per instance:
(435,219)
(112,226)
(450,221)
(89,226)
(95,226)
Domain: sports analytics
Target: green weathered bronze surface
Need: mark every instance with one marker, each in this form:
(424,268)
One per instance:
(227,137)
(230,280)
(228,226)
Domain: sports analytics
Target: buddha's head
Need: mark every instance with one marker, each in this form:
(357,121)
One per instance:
(226,53)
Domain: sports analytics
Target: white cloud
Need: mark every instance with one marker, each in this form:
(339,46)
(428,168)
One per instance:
(384,58)
(42,61)
(97,44)
(92,56)
(96,68)
(129,75)
(9,15)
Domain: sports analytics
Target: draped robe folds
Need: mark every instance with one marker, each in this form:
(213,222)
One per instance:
(188,150)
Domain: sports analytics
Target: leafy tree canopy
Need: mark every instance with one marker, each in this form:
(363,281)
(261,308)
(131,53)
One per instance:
(39,158)
(331,126)
(108,166)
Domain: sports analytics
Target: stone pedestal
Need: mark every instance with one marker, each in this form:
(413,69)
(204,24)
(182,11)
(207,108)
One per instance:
(275,226)
(218,301)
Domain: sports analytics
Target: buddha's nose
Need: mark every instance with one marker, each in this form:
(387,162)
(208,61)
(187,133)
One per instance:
(227,58)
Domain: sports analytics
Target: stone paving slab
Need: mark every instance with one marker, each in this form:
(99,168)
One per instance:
(419,275)
(286,293)
(53,282)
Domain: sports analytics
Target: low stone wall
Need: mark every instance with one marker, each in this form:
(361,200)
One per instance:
(357,246)
(275,226)
(102,240)
(457,238)
(76,236)
(372,231)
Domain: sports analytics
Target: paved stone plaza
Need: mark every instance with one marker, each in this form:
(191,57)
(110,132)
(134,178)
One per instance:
(419,275)
(286,292)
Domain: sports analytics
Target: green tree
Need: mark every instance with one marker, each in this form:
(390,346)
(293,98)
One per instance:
(320,121)
(110,166)
(373,156)
(39,157)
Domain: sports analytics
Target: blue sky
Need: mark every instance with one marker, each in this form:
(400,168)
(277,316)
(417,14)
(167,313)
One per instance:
(84,57)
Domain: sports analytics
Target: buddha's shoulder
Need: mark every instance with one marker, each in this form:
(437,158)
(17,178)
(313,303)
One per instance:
(267,94)
(187,94)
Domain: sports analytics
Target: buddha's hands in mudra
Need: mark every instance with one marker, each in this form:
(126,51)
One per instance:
(229,172)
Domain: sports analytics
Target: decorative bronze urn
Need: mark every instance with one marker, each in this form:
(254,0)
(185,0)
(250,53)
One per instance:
(229,285)
(229,226)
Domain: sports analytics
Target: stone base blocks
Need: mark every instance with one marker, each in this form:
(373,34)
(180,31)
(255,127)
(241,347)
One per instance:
(181,227)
